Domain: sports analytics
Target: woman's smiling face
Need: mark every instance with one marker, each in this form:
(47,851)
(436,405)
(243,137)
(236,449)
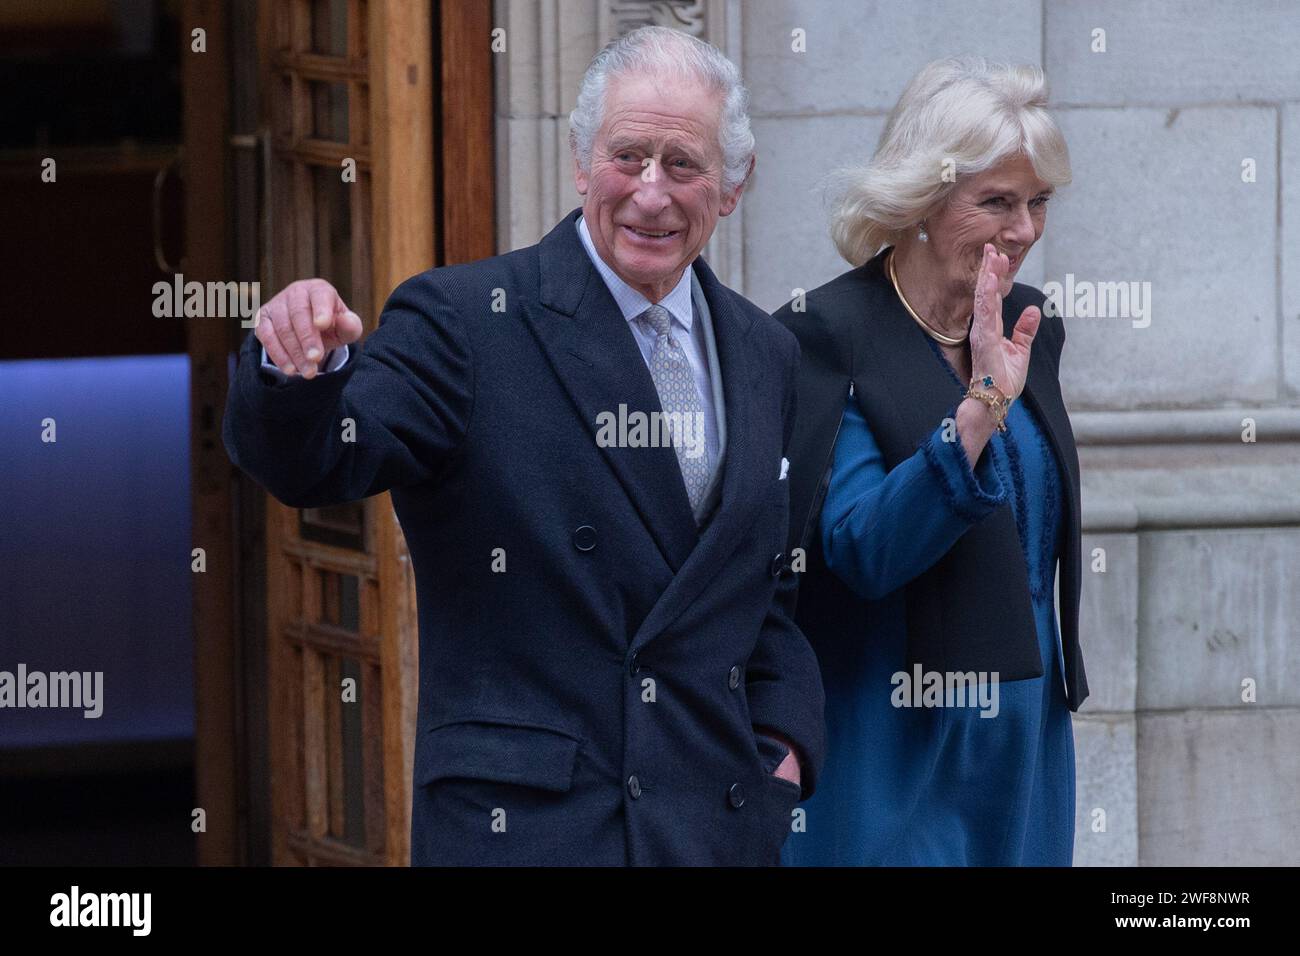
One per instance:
(1005,205)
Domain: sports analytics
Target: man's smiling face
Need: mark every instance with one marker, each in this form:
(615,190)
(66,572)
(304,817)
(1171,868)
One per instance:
(653,193)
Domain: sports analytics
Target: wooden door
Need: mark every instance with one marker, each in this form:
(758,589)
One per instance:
(359,103)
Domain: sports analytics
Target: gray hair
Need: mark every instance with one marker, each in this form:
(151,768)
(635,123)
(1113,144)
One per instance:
(662,50)
(962,114)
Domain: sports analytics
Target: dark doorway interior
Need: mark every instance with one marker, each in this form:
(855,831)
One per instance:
(96,532)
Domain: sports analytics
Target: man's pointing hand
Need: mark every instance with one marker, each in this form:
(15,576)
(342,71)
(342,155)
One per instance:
(303,323)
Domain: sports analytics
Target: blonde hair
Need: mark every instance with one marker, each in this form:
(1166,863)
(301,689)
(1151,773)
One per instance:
(960,114)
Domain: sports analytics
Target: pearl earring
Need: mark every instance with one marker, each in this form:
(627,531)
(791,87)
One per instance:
(922,234)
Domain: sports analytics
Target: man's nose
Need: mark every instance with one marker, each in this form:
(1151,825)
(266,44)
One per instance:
(651,196)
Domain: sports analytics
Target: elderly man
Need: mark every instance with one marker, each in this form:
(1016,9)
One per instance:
(584,440)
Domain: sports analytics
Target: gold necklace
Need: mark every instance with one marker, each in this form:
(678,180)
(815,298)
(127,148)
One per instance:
(933,333)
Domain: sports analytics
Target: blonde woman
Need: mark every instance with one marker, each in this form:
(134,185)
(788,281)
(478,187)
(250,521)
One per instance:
(935,486)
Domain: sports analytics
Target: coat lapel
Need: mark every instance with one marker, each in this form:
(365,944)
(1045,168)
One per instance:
(597,360)
(895,341)
(1042,393)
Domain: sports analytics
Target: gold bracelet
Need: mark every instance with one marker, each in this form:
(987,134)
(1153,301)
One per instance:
(989,382)
(998,404)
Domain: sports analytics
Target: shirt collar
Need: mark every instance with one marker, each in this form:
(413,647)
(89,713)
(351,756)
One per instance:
(631,302)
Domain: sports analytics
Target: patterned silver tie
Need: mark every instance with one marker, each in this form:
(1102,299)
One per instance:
(680,400)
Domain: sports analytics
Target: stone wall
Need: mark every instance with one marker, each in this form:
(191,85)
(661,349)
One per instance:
(1185,139)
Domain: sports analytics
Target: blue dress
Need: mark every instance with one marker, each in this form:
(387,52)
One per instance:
(938,786)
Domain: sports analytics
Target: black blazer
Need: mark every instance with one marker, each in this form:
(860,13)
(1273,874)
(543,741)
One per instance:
(972,609)
(596,701)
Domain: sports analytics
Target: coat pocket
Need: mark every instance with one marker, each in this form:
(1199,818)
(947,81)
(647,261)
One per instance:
(500,750)
(782,797)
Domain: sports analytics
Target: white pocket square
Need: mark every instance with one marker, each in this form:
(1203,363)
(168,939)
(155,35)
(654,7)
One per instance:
(785,468)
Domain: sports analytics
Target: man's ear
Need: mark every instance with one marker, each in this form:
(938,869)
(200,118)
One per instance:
(580,177)
(732,199)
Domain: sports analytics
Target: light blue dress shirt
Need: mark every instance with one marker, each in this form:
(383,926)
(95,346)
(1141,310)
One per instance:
(334,360)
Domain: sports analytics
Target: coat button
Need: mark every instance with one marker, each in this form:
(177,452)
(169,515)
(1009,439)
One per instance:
(778,562)
(634,787)
(584,538)
(733,677)
(634,663)
(736,795)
